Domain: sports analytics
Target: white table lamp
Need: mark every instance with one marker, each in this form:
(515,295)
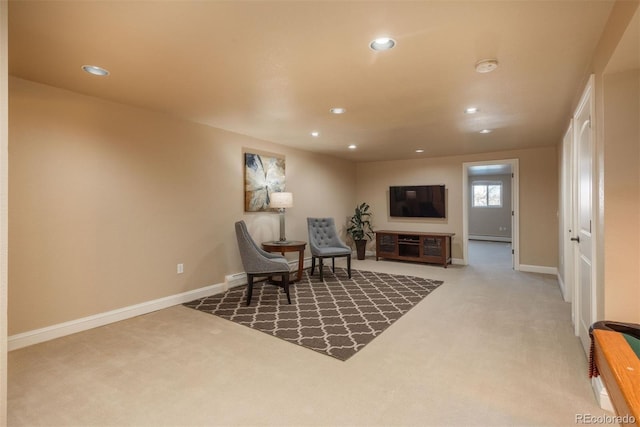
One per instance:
(281,201)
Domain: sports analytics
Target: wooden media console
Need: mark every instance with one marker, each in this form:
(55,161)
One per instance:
(434,248)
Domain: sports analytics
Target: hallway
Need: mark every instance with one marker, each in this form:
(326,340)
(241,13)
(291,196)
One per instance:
(490,254)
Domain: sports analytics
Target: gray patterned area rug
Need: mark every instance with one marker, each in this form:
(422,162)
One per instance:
(337,316)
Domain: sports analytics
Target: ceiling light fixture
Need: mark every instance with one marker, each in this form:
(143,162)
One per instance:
(419,150)
(382,43)
(485,131)
(315,133)
(338,110)
(486,65)
(471,110)
(95,70)
(352,147)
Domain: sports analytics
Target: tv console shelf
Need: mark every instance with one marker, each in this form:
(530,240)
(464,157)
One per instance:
(433,248)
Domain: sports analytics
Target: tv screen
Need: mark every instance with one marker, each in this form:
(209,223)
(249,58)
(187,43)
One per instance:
(421,201)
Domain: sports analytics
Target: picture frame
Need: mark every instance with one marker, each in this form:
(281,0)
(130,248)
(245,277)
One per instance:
(264,173)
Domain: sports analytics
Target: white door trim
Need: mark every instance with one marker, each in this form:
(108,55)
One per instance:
(515,206)
(567,226)
(587,101)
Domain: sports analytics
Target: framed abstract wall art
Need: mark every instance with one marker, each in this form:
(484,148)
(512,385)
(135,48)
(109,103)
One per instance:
(263,175)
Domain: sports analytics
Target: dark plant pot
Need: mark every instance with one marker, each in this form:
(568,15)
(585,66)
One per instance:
(361,246)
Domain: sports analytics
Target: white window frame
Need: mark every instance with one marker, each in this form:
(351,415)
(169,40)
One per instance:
(487,184)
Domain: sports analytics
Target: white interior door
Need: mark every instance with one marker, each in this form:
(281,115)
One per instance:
(567,217)
(585,303)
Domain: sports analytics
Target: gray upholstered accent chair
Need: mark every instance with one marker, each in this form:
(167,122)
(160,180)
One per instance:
(325,243)
(260,263)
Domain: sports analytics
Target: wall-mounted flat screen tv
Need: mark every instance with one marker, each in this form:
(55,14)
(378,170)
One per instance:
(417,201)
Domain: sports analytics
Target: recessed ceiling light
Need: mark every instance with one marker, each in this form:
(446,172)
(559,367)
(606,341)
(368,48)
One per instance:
(352,147)
(419,150)
(485,131)
(486,65)
(338,110)
(315,133)
(471,110)
(95,70)
(382,43)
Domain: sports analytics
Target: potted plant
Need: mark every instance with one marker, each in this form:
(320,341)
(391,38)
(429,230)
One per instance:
(360,228)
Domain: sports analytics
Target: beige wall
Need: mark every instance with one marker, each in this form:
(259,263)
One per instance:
(106,200)
(538,197)
(622,196)
(491,221)
(617,293)
(623,13)
(4,174)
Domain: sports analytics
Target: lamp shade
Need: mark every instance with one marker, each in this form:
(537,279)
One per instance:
(281,200)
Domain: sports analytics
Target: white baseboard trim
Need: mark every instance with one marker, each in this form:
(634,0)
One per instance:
(538,269)
(563,288)
(67,328)
(457,261)
(490,238)
(602,395)
(48,333)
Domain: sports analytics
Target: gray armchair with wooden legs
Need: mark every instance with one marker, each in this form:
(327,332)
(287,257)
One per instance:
(259,263)
(325,243)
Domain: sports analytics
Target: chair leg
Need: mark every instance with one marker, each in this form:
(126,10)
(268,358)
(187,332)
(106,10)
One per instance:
(313,264)
(349,265)
(285,283)
(249,288)
(320,266)
(333,264)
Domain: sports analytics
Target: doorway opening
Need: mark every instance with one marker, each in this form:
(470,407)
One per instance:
(490,213)
(496,255)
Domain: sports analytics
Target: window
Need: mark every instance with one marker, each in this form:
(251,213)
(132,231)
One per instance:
(487,194)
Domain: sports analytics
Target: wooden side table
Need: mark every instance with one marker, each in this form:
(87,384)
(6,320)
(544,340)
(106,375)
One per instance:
(288,246)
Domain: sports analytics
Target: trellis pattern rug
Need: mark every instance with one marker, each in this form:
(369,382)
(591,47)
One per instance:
(337,316)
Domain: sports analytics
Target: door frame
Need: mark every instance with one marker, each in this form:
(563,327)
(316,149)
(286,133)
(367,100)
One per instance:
(587,100)
(567,225)
(515,208)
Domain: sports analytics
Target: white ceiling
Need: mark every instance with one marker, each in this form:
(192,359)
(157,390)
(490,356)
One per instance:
(273,69)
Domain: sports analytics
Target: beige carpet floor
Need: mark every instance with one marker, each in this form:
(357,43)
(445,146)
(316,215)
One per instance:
(490,347)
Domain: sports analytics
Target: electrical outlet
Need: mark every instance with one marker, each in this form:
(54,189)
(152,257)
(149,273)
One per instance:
(180,268)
